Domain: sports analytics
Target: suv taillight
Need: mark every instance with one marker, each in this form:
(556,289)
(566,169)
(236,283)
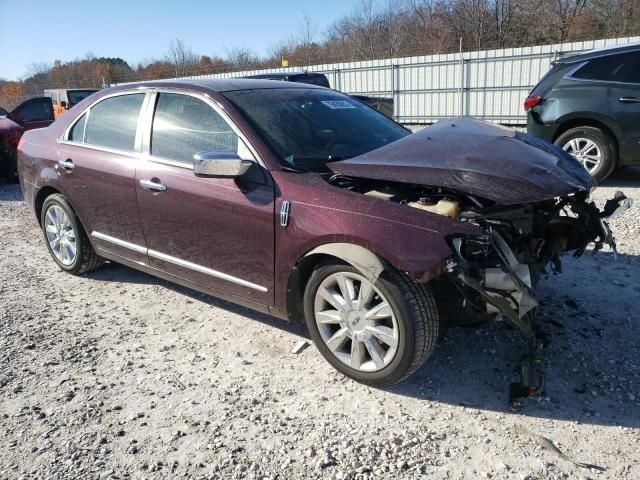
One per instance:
(531,102)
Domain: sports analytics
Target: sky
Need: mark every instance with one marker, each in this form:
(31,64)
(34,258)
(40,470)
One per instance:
(37,31)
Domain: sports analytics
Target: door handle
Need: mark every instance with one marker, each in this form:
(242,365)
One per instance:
(629,100)
(151,185)
(66,164)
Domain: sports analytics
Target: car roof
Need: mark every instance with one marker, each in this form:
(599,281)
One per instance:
(223,84)
(71,89)
(286,74)
(600,52)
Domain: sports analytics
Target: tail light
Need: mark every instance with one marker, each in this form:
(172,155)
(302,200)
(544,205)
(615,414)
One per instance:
(531,102)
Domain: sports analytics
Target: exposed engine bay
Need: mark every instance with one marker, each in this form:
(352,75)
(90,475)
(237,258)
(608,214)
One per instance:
(495,273)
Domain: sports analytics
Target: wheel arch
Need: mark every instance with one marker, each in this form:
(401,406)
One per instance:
(370,264)
(577,122)
(40,197)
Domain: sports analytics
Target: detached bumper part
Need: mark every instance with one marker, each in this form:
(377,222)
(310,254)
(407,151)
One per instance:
(489,267)
(507,288)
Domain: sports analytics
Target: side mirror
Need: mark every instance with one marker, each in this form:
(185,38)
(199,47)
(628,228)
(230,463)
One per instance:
(63,104)
(220,164)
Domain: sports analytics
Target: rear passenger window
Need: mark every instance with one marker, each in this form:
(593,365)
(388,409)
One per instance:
(184,125)
(633,74)
(610,68)
(113,122)
(76,134)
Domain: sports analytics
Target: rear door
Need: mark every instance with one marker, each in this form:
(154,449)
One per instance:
(96,166)
(218,232)
(34,113)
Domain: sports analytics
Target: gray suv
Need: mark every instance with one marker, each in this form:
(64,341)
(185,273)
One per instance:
(589,105)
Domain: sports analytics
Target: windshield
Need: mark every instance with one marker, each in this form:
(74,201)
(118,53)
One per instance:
(307,128)
(3,112)
(76,96)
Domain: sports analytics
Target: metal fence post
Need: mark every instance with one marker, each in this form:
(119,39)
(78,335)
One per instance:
(462,84)
(395,90)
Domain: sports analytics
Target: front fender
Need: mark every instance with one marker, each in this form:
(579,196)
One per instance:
(365,261)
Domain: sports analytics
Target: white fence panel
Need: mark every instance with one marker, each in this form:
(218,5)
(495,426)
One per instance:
(490,84)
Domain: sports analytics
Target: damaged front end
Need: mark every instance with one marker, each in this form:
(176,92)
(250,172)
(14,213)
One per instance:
(498,270)
(529,199)
(503,265)
(494,274)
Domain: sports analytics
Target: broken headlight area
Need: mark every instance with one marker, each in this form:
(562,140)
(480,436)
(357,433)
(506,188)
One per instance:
(519,244)
(496,272)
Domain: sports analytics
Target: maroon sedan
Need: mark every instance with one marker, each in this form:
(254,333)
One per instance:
(302,202)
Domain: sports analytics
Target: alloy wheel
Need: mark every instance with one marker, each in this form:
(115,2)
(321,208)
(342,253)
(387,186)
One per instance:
(586,151)
(60,235)
(356,322)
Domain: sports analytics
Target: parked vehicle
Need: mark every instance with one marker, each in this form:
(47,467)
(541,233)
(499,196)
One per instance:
(383,105)
(65,98)
(589,105)
(302,202)
(33,113)
(309,78)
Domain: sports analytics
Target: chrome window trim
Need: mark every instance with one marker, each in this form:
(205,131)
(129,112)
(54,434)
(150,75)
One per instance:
(63,138)
(145,120)
(127,153)
(177,261)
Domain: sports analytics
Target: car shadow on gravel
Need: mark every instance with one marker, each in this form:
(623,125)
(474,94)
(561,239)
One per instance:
(624,177)
(588,324)
(587,317)
(589,375)
(114,272)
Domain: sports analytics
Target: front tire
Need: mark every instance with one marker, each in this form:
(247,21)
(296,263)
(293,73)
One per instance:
(377,334)
(592,147)
(65,237)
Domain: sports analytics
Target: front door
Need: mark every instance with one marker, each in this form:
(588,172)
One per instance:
(96,166)
(218,232)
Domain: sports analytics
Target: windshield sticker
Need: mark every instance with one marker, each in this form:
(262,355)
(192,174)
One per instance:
(337,104)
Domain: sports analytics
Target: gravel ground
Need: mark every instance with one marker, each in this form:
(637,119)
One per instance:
(120,375)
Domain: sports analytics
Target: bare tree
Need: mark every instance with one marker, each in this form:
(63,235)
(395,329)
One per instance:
(562,17)
(181,58)
(242,58)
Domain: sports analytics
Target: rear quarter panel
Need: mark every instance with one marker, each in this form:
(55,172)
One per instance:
(572,100)
(37,164)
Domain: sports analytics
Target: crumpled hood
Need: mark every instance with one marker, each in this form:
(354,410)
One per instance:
(477,158)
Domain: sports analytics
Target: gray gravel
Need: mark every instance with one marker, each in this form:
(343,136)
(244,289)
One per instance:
(119,375)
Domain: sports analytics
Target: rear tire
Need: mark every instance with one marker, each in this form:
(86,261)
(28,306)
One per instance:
(577,138)
(65,237)
(10,162)
(413,318)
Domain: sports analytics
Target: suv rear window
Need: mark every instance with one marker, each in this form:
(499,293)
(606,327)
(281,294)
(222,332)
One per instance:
(609,69)
(633,74)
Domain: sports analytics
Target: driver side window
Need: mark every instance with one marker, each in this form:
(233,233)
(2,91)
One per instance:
(184,125)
